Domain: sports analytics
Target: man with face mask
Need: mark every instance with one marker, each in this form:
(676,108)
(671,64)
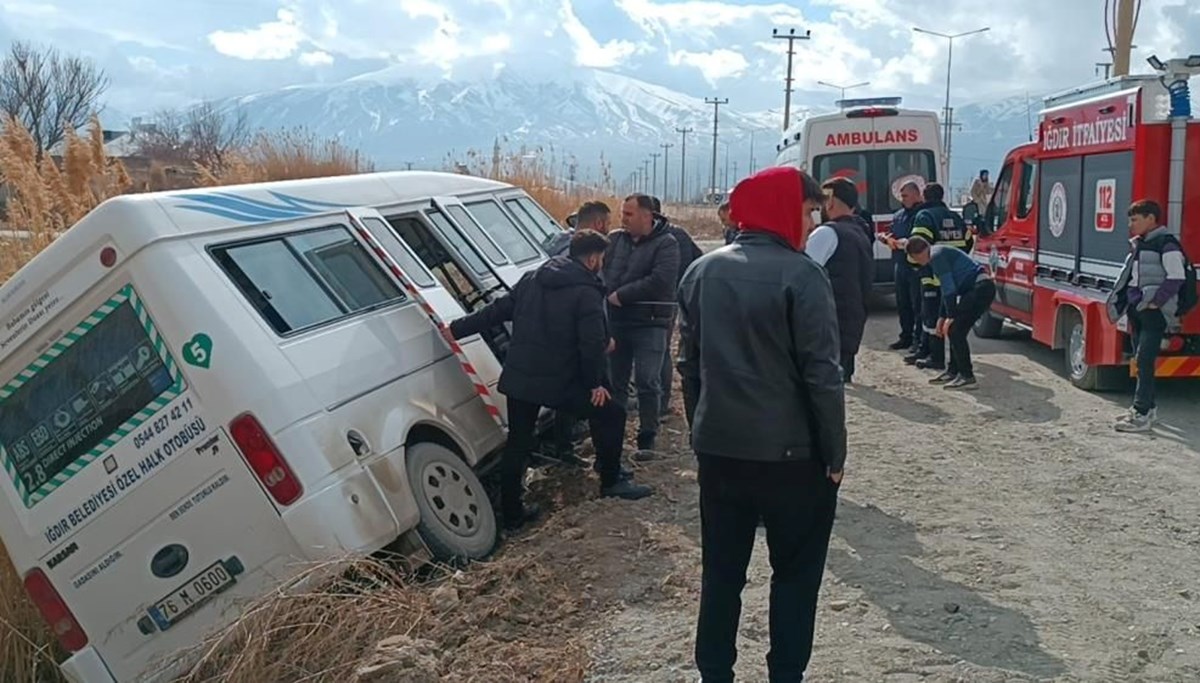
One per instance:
(556,358)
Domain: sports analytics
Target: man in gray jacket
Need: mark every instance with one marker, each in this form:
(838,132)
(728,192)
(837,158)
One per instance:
(639,271)
(762,386)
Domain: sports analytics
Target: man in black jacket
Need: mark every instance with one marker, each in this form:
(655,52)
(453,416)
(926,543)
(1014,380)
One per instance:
(842,247)
(556,358)
(640,272)
(688,252)
(763,391)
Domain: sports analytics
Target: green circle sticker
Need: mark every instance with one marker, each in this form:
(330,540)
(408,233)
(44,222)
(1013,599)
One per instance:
(198,351)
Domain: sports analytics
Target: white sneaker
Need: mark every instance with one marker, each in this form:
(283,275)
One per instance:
(1137,423)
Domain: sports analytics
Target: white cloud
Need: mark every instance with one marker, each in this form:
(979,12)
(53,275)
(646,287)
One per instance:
(588,51)
(316,58)
(277,39)
(716,66)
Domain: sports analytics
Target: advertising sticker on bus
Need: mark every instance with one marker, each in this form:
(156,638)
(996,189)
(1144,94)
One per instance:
(1106,213)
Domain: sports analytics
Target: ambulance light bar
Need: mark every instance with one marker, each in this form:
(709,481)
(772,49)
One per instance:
(870,102)
(871,112)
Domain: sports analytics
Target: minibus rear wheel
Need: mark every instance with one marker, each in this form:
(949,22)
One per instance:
(458,523)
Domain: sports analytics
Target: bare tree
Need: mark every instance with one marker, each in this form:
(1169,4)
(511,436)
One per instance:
(49,92)
(202,134)
(213,135)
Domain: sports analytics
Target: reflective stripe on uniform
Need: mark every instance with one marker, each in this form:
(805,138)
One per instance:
(931,281)
(927,233)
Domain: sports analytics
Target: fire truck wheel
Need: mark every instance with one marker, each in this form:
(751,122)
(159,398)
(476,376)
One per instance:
(457,523)
(989,326)
(1082,375)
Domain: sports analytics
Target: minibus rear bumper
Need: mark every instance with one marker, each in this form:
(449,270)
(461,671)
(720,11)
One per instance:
(86,666)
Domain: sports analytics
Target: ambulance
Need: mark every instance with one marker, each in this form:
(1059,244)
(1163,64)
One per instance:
(877,145)
(1055,234)
(203,391)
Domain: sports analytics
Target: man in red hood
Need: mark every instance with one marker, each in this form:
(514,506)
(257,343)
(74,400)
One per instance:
(762,385)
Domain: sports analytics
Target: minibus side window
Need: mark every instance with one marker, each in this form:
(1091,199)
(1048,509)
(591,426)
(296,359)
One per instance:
(540,225)
(456,240)
(411,267)
(437,259)
(506,233)
(306,279)
(477,235)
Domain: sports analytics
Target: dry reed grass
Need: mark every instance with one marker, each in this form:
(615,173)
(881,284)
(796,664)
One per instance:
(366,621)
(28,651)
(287,155)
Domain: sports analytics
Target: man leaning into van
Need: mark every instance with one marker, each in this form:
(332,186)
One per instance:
(556,358)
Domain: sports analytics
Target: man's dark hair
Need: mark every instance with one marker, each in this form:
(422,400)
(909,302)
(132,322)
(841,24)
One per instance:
(643,201)
(811,190)
(934,193)
(657,204)
(590,211)
(983,172)
(916,245)
(585,243)
(1146,207)
(842,190)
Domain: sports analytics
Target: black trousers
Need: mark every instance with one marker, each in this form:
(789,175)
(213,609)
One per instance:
(971,306)
(932,346)
(908,302)
(607,426)
(1147,329)
(796,502)
(847,366)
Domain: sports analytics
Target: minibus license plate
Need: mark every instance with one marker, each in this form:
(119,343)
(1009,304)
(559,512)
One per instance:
(179,603)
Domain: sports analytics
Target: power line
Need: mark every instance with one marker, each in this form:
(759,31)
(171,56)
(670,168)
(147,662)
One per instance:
(683,162)
(716,103)
(791,37)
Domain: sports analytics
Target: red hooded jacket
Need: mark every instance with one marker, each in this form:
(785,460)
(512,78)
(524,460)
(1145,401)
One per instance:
(771,200)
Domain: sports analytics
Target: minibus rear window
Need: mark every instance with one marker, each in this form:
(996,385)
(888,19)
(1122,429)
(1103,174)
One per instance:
(92,387)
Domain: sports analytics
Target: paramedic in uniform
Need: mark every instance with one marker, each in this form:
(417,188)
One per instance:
(1147,292)
(764,398)
(935,223)
(556,359)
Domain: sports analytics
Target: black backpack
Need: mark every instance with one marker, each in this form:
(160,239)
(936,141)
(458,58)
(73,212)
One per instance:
(1189,294)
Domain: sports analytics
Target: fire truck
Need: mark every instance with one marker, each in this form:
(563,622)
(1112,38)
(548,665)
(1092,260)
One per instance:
(1055,235)
(877,145)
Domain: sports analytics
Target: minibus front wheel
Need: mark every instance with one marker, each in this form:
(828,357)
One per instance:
(458,523)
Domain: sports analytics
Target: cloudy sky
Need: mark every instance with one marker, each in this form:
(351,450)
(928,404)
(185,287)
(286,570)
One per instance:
(168,53)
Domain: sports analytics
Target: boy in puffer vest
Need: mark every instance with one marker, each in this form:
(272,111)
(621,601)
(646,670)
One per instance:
(1147,292)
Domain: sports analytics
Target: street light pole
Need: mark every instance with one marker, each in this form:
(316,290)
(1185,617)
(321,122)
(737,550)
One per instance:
(843,88)
(949,123)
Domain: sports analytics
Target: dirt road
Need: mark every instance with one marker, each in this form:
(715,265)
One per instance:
(1005,535)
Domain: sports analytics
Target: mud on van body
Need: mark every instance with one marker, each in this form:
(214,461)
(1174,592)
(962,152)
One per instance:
(202,390)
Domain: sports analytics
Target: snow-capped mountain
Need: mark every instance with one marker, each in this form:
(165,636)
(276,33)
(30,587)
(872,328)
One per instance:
(572,119)
(399,120)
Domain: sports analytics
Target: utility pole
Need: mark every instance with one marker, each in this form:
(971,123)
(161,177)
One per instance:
(645,176)
(750,171)
(716,103)
(791,37)
(666,155)
(735,175)
(725,182)
(1107,66)
(683,132)
(654,175)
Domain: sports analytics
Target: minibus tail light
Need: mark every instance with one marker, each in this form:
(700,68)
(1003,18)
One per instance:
(265,459)
(56,613)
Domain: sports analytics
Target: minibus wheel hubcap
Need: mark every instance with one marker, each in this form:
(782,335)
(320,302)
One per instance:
(454,501)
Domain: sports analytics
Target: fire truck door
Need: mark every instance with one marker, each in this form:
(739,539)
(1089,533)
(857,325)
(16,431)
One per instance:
(1059,218)
(1104,239)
